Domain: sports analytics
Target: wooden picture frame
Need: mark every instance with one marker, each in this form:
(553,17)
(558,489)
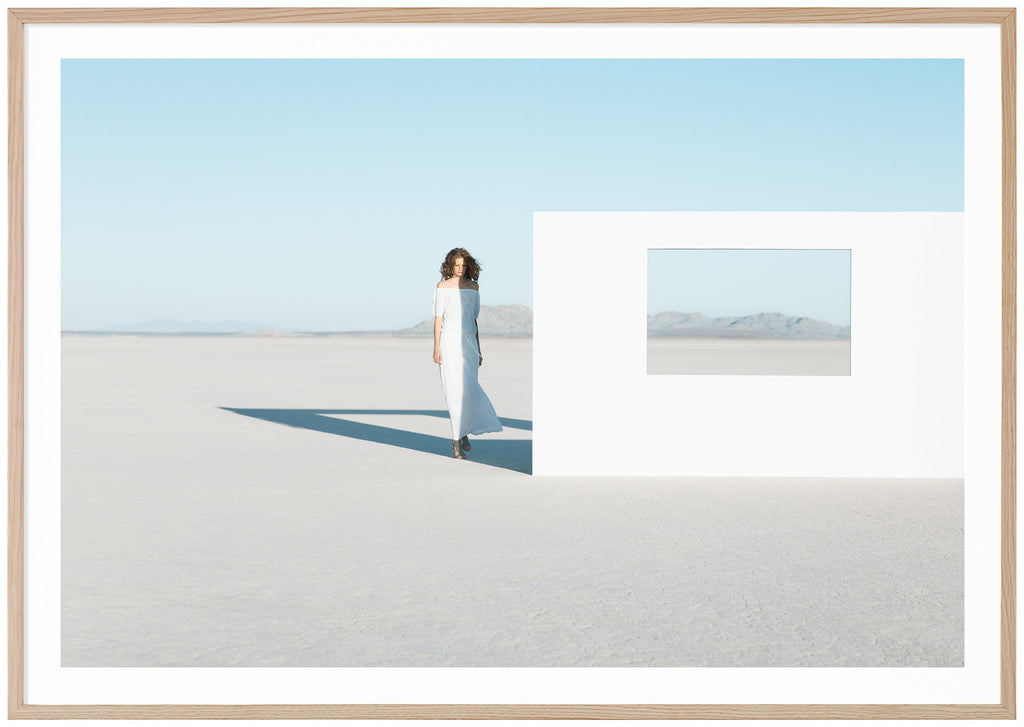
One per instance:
(19,18)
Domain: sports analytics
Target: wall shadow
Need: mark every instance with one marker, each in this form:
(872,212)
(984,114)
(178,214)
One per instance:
(510,454)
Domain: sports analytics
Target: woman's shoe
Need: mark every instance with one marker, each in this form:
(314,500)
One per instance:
(464,443)
(457,450)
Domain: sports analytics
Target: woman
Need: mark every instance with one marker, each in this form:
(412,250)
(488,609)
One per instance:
(457,350)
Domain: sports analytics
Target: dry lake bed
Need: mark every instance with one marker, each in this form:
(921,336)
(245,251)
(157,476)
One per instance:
(246,501)
(681,355)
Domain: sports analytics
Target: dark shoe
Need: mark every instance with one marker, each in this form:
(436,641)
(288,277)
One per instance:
(464,442)
(456,450)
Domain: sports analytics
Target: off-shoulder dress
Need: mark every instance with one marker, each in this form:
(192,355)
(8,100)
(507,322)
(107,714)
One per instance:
(470,410)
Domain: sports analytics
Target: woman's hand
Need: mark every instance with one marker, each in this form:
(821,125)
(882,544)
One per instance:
(438,325)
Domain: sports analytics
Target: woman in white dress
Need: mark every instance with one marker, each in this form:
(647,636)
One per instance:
(457,350)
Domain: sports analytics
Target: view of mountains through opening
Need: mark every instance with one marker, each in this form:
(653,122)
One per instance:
(749,311)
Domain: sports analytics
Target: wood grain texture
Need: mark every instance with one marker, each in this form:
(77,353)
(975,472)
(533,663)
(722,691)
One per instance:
(511,15)
(1008,515)
(15,362)
(520,711)
(17,18)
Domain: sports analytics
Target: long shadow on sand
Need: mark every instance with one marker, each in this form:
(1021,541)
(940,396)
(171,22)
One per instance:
(510,454)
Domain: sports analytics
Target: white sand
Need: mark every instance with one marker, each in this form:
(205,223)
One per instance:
(678,355)
(198,536)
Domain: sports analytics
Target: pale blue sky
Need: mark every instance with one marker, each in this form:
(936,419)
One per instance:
(717,283)
(322,194)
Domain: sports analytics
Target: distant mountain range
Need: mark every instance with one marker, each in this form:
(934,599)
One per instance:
(499,320)
(758,325)
(509,321)
(516,321)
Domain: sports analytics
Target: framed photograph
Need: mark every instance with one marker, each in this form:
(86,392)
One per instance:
(491,363)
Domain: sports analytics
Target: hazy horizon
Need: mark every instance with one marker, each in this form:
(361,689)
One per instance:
(243,326)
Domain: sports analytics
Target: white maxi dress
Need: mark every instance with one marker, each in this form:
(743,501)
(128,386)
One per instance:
(470,410)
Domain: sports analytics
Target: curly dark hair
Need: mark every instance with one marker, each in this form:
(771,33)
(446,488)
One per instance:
(472,266)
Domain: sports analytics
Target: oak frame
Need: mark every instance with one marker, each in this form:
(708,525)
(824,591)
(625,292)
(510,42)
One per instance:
(18,18)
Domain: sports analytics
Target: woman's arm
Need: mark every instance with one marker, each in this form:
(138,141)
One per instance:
(478,344)
(437,338)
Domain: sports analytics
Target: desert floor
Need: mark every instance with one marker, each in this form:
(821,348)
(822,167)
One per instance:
(293,502)
(676,355)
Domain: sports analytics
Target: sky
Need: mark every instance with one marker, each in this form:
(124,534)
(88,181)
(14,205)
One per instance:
(719,283)
(323,194)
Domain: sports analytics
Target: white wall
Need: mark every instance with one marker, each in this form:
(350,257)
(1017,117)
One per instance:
(899,414)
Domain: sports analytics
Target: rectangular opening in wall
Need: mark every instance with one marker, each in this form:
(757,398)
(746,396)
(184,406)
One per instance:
(779,312)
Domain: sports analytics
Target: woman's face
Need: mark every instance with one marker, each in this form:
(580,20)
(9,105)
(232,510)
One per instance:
(458,267)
